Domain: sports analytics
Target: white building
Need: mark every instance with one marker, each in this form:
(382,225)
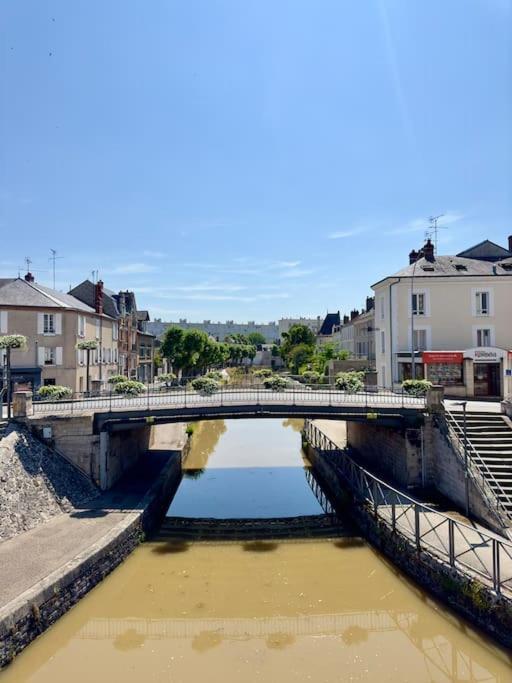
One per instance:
(455,313)
(314,324)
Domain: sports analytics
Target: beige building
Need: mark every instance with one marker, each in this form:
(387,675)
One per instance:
(453,316)
(54,323)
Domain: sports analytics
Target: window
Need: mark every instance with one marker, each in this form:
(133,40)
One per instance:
(418,304)
(382,312)
(97,328)
(115,331)
(482,303)
(420,340)
(48,323)
(81,325)
(383,375)
(483,337)
(382,342)
(3,322)
(49,355)
(49,382)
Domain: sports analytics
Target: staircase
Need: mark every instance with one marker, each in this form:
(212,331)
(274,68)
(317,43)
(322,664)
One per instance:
(489,438)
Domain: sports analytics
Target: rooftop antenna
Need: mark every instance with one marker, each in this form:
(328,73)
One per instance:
(435,227)
(28,261)
(94,275)
(53,258)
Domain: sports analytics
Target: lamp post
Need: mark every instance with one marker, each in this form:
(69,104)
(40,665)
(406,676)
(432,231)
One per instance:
(466,463)
(9,342)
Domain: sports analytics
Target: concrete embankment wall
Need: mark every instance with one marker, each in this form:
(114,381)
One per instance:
(29,615)
(472,599)
(423,457)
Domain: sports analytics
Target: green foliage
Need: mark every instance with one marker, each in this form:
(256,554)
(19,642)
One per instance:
(256,338)
(275,352)
(299,356)
(13,341)
(276,383)
(87,345)
(263,372)
(191,428)
(351,382)
(298,334)
(55,392)
(129,387)
(157,360)
(205,385)
(115,379)
(215,374)
(311,376)
(416,387)
(192,350)
(166,378)
(237,338)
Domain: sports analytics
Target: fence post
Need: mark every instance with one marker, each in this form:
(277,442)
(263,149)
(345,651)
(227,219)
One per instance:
(417,527)
(451,542)
(110,402)
(393,516)
(496,578)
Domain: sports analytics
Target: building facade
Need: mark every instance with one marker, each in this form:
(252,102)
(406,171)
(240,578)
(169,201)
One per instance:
(218,330)
(53,324)
(448,319)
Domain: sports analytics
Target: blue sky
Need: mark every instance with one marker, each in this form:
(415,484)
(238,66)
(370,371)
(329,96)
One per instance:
(250,159)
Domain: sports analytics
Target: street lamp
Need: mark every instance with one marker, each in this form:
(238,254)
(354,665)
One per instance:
(466,470)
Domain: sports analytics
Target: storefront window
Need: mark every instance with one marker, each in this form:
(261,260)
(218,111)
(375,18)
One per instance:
(445,373)
(406,371)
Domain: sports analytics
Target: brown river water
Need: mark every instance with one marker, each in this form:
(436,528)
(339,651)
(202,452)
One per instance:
(326,610)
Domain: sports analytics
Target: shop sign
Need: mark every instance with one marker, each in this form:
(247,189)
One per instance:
(485,355)
(447,357)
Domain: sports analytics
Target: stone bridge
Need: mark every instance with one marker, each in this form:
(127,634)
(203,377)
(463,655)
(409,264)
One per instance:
(105,435)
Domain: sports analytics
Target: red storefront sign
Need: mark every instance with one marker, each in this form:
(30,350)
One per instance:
(454,357)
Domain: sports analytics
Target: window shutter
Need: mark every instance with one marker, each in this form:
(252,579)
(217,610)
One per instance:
(3,322)
(40,353)
(58,355)
(58,323)
(40,323)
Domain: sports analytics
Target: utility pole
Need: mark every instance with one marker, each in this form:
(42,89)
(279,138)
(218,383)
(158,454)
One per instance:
(435,227)
(53,258)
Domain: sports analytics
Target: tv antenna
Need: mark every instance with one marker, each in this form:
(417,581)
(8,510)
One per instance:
(53,258)
(28,261)
(434,227)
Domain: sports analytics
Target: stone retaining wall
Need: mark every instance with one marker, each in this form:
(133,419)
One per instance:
(472,599)
(22,620)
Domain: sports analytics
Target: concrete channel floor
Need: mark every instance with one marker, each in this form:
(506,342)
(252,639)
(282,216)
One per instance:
(30,557)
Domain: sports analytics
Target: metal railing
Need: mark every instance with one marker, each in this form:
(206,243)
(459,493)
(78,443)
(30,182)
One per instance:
(471,550)
(478,469)
(184,397)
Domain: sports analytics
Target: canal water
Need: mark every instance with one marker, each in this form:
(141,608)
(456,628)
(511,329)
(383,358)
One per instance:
(322,611)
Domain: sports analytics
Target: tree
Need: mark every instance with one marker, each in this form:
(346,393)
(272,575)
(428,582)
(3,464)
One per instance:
(172,346)
(299,356)
(256,339)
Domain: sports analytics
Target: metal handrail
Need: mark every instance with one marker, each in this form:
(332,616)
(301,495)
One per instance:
(477,467)
(462,547)
(185,397)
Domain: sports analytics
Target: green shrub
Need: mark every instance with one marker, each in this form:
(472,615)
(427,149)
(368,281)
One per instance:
(264,372)
(215,374)
(129,387)
(115,379)
(351,382)
(55,392)
(416,387)
(206,386)
(311,376)
(166,378)
(276,383)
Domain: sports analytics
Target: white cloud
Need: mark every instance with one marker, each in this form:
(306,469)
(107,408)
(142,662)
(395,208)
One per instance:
(340,234)
(296,273)
(133,268)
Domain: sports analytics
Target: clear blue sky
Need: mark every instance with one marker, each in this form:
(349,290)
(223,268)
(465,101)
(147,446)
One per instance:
(250,159)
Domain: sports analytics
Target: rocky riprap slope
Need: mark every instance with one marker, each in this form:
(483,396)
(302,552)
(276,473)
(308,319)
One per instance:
(35,483)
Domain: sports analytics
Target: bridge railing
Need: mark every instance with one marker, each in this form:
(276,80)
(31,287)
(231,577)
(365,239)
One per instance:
(471,550)
(184,397)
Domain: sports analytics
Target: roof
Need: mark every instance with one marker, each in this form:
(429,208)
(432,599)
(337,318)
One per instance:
(330,321)
(486,251)
(450,266)
(86,292)
(19,292)
(143,316)
(6,280)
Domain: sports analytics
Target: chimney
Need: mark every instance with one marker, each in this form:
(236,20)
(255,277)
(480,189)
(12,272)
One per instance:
(346,319)
(370,303)
(353,314)
(29,277)
(122,304)
(428,251)
(413,257)
(510,243)
(98,297)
